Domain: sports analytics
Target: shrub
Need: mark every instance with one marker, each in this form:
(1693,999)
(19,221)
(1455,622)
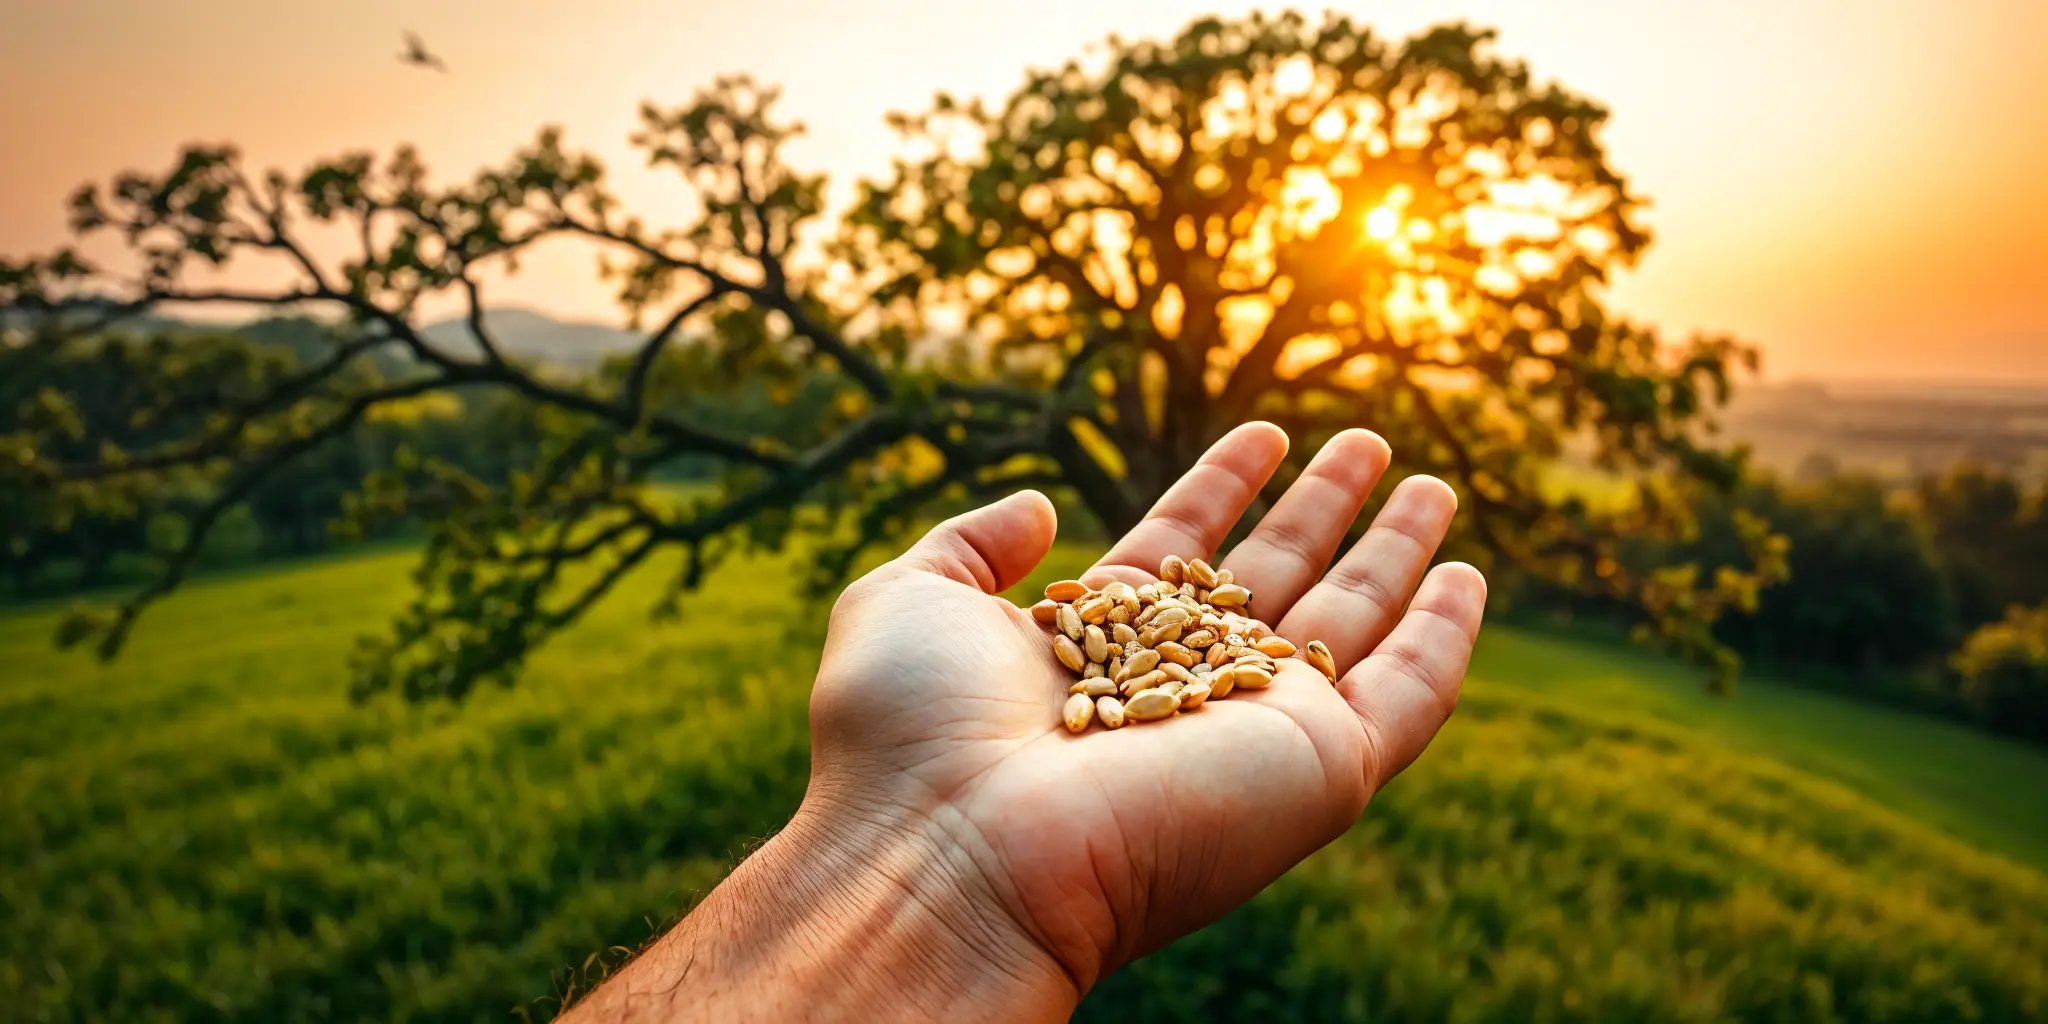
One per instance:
(1866,591)
(2002,670)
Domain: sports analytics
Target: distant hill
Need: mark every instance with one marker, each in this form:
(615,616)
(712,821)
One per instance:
(148,323)
(522,334)
(1898,431)
(532,336)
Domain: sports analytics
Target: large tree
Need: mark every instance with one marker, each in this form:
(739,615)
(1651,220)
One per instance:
(1079,289)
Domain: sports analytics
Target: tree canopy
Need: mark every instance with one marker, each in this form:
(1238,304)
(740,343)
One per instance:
(1077,289)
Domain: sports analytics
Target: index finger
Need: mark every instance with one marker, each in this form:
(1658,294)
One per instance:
(1198,511)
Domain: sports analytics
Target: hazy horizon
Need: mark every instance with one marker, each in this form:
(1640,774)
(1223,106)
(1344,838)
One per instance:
(1850,186)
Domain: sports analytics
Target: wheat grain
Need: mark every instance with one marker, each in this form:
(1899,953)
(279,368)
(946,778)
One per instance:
(1175,645)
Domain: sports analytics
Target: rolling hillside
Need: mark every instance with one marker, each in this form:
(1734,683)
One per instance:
(529,335)
(208,830)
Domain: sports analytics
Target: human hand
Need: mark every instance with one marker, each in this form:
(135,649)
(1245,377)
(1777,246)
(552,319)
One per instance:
(987,861)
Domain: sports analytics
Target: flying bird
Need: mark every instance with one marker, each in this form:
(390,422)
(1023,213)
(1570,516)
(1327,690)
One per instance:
(416,53)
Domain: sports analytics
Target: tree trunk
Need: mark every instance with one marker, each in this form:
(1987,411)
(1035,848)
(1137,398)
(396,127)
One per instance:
(1106,496)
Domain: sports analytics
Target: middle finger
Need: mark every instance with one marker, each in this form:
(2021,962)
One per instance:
(1364,594)
(1291,547)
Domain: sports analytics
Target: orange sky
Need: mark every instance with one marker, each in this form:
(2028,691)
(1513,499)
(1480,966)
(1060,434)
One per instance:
(1857,186)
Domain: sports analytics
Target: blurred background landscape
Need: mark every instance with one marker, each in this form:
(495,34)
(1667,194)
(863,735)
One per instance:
(428,438)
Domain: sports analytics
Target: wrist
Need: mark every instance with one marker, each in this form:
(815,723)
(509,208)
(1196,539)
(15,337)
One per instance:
(842,917)
(910,920)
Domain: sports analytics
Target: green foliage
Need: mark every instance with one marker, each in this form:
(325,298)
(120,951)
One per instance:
(1865,590)
(1884,583)
(80,512)
(1080,290)
(210,831)
(96,405)
(1993,538)
(2003,668)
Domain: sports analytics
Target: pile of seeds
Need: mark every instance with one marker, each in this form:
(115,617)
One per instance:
(1150,652)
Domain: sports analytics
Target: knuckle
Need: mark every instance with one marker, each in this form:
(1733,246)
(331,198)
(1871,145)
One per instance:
(1361,583)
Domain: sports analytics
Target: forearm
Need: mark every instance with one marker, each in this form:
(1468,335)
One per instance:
(835,919)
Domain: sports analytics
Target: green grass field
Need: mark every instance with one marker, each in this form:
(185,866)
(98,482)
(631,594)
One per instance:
(208,830)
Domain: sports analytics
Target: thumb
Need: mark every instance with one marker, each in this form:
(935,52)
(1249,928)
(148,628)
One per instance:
(991,547)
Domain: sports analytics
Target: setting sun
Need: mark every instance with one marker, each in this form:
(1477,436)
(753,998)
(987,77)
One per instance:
(1382,223)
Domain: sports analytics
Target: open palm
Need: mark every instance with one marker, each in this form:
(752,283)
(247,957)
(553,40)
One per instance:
(937,706)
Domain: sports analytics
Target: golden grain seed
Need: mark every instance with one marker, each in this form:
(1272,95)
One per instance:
(1172,570)
(1080,710)
(1068,653)
(1252,677)
(1095,643)
(1139,683)
(1274,647)
(1070,622)
(1138,664)
(1169,646)
(1318,654)
(1151,705)
(1222,681)
(1111,711)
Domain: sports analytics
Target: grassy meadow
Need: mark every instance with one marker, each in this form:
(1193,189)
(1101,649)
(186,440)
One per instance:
(208,830)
